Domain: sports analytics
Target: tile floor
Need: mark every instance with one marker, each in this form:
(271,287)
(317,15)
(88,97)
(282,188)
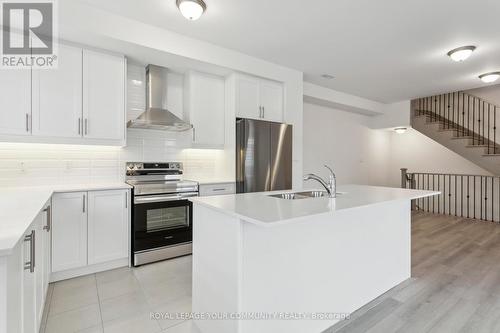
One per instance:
(122,300)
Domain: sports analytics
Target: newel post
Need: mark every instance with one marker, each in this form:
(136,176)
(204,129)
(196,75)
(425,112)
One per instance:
(404,172)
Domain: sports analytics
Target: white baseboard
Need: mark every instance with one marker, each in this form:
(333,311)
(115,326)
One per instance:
(71,273)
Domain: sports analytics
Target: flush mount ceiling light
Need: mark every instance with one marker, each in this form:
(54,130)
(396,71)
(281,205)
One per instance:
(461,53)
(191,9)
(400,130)
(489,77)
(327,76)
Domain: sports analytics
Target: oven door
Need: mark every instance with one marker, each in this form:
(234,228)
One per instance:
(161,221)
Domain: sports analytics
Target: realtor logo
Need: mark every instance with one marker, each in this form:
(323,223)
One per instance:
(28,34)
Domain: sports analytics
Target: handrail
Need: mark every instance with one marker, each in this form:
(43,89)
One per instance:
(462,195)
(466,114)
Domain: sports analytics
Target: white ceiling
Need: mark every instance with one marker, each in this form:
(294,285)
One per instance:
(387,50)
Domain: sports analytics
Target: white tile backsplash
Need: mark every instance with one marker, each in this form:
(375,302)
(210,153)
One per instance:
(45,164)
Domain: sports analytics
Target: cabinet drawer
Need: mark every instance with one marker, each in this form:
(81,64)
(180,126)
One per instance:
(217,189)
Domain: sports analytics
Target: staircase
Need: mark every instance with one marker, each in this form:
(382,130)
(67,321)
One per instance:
(464,123)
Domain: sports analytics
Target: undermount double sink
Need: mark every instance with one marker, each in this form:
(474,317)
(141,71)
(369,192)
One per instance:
(302,195)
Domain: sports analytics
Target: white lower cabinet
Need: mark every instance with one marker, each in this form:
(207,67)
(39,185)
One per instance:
(32,268)
(63,222)
(69,231)
(88,228)
(23,280)
(217,189)
(42,261)
(29,318)
(107,226)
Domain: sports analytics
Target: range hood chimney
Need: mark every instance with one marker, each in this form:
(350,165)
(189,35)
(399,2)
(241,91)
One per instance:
(156,115)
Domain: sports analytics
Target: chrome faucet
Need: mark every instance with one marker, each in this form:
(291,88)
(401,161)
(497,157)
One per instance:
(330,186)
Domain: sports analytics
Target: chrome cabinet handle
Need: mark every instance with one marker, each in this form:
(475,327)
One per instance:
(27,122)
(86,126)
(49,218)
(79,126)
(194,134)
(30,265)
(126,199)
(260,111)
(84,197)
(263,112)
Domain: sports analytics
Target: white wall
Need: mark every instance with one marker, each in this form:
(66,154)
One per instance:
(341,101)
(489,93)
(395,115)
(344,141)
(418,153)
(362,155)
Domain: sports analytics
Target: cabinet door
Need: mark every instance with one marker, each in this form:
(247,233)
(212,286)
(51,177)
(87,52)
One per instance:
(271,99)
(69,231)
(206,109)
(217,189)
(107,226)
(57,96)
(103,96)
(15,102)
(40,279)
(29,286)
(47,233)
(247,97)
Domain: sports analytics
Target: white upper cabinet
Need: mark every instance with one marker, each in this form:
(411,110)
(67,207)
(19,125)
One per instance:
(82,101)
(271,100)
(15,102)
(103,96)
(57,96)
(248,97)
(69,231)
(205,108)
(108,226)
(257,98)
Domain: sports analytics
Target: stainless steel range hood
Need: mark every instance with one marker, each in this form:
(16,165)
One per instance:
(156,115)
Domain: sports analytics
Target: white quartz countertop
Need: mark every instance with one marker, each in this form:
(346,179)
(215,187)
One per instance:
(19,207)
(260,208)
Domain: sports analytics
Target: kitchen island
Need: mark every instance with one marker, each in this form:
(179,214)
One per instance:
(266,264)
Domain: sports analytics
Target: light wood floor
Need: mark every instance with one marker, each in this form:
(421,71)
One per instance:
(455,284)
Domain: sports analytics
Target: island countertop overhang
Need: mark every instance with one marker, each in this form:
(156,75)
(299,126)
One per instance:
(262,209)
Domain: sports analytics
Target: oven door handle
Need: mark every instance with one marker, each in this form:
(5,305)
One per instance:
(162,198)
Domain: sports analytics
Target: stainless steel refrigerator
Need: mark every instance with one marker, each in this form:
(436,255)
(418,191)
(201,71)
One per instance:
(263,156)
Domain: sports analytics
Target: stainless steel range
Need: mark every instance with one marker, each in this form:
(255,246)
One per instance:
(161,215)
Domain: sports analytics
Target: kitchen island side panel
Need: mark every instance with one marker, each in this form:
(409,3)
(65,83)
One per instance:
(216,268)
(333,264)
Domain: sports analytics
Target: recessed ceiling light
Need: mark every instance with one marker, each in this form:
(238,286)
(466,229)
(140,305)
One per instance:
(489,77)
(191,9)
(400,130)
(327,76)
(461,53)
